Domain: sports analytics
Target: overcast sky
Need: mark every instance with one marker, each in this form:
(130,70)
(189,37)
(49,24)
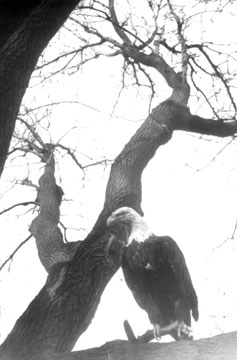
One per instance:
(187,194)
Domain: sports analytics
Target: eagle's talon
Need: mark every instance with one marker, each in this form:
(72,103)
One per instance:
(183,329)
(156,331)
(155,270)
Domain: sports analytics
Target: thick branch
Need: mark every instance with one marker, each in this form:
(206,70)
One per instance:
(220,347)
(67,303)
(49,239)
(20,49)
(65,306)
(197,124)
(116,25)
(180,88)
(177,81)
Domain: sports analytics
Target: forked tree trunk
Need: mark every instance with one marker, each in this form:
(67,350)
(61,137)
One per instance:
(65,306)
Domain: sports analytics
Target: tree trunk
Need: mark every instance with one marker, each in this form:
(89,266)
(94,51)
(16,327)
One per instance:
(26,27)
(65,306)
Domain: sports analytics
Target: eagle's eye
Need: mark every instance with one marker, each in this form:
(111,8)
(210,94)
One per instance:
(121,214)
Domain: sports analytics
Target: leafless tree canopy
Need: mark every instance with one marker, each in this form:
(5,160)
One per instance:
(154,42)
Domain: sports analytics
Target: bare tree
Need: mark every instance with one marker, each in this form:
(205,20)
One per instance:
(78,274)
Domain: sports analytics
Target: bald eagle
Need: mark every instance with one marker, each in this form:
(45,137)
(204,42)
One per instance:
(156,272)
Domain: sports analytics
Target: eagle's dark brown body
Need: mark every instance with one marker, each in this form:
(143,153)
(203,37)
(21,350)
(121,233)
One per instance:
(156,272)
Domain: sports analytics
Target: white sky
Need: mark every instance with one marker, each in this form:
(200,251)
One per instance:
(185,195)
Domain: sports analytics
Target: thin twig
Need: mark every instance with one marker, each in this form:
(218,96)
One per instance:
(19,204)
(217,154)
(14,252)
(225,241)
(34,133)
(69,151)
(216,72)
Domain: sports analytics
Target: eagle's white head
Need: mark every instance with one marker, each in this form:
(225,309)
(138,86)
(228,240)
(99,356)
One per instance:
(136,227)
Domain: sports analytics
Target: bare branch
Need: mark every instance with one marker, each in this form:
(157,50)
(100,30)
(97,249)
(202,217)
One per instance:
(181,40)
(224,345)
(217,154)
(69,53)
(203,126)
(69,151)
(204,95)
(145,338)
(14,252)
(100,162)
(216,72)
(73,102)
(232,237)
(234,231)
(32,130)
(26,203)
(116,25)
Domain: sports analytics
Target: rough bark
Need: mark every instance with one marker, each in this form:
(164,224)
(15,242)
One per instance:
(49,238)
(26,27)
(65,306)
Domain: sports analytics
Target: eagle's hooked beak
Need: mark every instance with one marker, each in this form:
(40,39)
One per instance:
(110,220)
